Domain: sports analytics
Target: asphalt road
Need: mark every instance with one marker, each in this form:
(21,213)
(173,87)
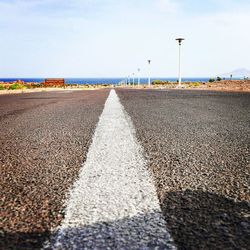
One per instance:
(44,139)
(197,146)
(113,204)
(197,150)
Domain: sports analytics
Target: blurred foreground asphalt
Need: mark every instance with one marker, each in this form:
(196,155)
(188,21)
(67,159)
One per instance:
(44,139)
(196,143)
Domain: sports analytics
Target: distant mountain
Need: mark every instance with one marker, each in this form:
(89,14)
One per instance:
(237,73)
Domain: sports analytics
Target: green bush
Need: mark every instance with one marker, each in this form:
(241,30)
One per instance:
(159,82)
(211,80)
(218,78)
(194,84)
(2,87)
(33,85)
(16,86)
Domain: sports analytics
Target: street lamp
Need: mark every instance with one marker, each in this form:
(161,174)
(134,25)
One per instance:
(180,41)
(149,80)
(139,76)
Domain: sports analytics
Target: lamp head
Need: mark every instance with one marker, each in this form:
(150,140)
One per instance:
(179,40)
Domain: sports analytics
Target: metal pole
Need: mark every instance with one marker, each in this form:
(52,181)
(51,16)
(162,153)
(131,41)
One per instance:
(180,40)
(138,77)
(149,80)
(179,64)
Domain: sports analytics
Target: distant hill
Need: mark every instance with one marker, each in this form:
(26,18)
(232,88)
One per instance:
(237,73)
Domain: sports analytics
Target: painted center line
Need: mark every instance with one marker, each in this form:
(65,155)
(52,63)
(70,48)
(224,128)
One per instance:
(113,204)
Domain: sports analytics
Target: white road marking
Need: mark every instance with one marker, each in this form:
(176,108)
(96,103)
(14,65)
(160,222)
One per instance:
(113,204)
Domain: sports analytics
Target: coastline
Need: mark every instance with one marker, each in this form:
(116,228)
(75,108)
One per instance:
(48,89)
(242,86)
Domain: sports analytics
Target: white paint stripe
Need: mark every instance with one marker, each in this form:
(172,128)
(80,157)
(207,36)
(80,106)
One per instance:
(113,205)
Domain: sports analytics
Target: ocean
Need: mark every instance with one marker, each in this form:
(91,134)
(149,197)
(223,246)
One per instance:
(107,80)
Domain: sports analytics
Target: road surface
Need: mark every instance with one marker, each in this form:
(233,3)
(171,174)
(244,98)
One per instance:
(44,139)
(187,152)
(197,145)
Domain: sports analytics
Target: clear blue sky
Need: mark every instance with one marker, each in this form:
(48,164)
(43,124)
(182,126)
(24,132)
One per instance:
(103,38)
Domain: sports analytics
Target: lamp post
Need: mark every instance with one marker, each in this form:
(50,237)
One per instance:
(139,76)
(180,41)
(149,80)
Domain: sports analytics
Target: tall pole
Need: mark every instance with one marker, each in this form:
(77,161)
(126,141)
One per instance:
(179,64)
(149,80)
(139,76)
(180,40)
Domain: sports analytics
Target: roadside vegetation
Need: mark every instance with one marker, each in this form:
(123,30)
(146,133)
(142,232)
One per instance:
(19,85)
(15,86)
(218,79)
(194,84)
(160,82)
(173,84)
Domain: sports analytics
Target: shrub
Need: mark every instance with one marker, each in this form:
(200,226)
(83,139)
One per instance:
(16,86)
(159,82)
(33,85)
(194,84)
(155,82)
(218,78)
(211,80)
(2,87)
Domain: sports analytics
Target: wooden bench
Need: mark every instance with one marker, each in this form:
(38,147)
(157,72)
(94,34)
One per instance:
(54,82)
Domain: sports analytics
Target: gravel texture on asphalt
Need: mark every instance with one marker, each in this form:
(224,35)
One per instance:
(44,139)
(113,204)
(197,145)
